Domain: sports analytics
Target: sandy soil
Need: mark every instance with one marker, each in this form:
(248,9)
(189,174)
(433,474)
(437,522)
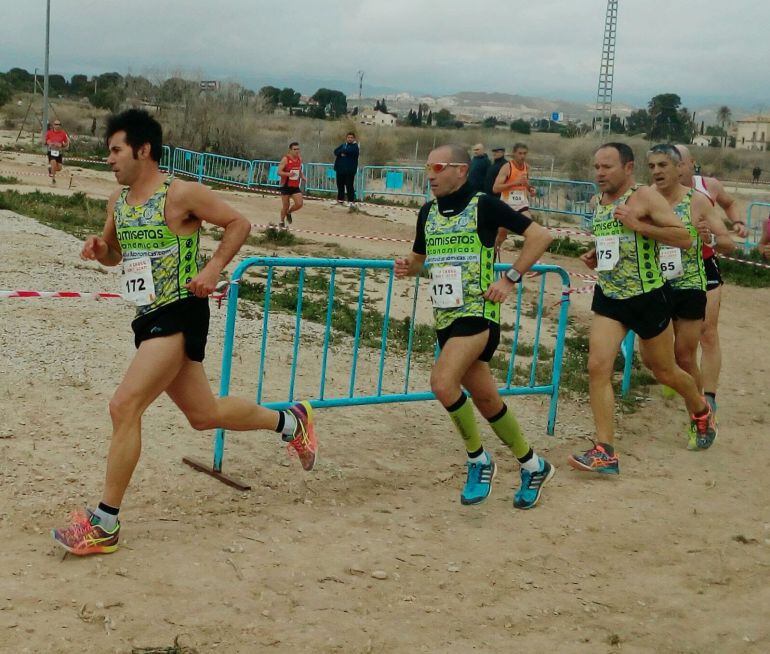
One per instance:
(672,556)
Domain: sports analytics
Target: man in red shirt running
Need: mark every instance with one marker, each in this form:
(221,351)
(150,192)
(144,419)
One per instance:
(56,140)
(290,172)
(711,353)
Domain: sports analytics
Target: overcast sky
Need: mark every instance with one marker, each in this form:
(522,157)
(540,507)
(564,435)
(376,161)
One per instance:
(709,51)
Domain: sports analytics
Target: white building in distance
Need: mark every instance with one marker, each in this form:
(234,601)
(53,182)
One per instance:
(752,133)
(371,117)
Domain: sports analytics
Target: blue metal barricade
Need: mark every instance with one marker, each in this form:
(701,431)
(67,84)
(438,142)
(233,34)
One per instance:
(265,173)
(378,331)
(756,216)
(187,162)
(165,158)
(205,166)
(226,170)
(563,196)
(397,181)
(321,178)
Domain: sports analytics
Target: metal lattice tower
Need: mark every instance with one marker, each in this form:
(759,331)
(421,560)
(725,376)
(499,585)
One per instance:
(603,113)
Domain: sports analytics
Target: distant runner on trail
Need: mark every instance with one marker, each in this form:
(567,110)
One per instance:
(685,270)
(711,352)
(456,238)
(290,172)
(513,181)
(56,140)
(153,230)
(629,225)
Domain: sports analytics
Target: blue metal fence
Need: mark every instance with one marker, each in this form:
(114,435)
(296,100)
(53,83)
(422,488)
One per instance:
(534,379)
(756,213)
(557,196)
(563,196)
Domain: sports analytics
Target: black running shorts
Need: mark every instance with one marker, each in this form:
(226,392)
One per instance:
(470,326)
(647,314)
(189,315)
(290,190)
(687,304)
(713,274)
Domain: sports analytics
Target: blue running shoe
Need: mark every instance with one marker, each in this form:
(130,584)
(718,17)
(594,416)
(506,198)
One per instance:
(532,484)
(478,484)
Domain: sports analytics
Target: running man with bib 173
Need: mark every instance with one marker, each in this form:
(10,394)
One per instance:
(455,237)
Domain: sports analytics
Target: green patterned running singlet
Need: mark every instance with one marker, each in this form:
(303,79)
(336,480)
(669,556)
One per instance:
(453,242)
(637,270)
(142,231)
(693,268)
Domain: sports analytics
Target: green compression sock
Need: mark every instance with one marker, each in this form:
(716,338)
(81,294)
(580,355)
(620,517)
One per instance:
(461,413)
(507,429)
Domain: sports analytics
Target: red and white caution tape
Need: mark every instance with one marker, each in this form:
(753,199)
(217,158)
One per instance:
(60,294)
(219,294)
(750,263)
(317,233)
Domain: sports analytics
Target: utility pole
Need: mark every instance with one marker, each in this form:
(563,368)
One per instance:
(603,111)
(360,87)
(45,78)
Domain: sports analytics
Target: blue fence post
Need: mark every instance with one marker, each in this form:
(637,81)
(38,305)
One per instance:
(200,167)
(627,349)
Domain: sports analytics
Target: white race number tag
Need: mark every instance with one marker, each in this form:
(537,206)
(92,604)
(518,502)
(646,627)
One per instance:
(671,262)
(294,174)
(54,153)
(607,252)
(518,199)
(446,287)
(136,282)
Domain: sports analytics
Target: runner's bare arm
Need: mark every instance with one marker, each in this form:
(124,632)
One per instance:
(707,222)
(410,265)
(105,248)
(205,205)
(282,169)
(729,206)
(499,186)
(536,242)
(648,213)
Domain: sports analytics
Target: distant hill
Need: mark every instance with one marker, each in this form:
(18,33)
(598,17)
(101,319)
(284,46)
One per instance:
(473,105)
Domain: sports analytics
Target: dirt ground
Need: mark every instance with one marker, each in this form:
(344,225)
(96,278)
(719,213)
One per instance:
(372,551)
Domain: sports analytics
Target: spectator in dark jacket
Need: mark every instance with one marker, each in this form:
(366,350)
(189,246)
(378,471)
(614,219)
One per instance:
(479,166)
(498,161)
(345,167)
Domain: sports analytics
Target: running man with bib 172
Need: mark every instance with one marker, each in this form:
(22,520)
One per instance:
(153,229)
(455,237)
(629,224)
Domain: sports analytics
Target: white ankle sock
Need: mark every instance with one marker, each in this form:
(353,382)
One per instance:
(533,465)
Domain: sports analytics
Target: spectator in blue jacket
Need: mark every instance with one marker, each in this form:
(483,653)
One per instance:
(345,166)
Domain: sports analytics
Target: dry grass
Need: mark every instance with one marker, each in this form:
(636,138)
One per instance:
(228,124)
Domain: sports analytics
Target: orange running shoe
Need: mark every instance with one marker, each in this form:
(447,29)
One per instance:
(83,536)
(303,443)
(597,459)
(703,430)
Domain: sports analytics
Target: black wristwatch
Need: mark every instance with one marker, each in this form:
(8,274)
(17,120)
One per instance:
(513,275)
